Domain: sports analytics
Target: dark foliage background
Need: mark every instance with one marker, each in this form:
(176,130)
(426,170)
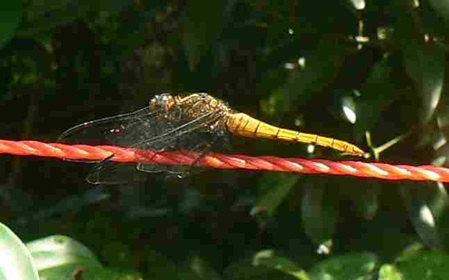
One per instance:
(304,65)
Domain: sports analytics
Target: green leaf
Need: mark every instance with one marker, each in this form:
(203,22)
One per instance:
(424,265)
(269,259)
(345,267)
(160,267)
(198,269)
(10,15)
(245,269)
(321,66)
(365,197)
(60,257)
(358,4)
(389,272)
(60,250)
(203,27)
(277,187)
(425,205)
(377,93)
(74,271)
(441,7)
(41,18)
(318,212)
(15,259)
(426,64)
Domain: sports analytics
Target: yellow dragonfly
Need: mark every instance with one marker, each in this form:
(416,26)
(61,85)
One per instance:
(191,122)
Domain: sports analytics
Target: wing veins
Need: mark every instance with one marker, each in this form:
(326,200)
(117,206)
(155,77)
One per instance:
(105,120)
(177,129)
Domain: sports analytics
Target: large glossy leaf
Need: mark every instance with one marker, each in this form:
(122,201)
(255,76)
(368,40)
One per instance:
(358,4)
(425,204)
(10,14)
(365,195)
(437,201)
(367,199)
(15,259)
(246,269)
(270,259)
(77,271)
(60,250)
(426,64)
(441,7)
(275,187)
(389,272)
(423,265)
(319,212)
(376,94)
(354,266)
(321,66)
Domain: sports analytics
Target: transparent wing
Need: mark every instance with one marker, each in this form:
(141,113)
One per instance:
(201,141)
(121,130)
(162,131)
(108,172)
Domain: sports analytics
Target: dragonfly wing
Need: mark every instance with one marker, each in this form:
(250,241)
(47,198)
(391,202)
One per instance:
(123,129)
(196,136)
(109,172)
(201,143)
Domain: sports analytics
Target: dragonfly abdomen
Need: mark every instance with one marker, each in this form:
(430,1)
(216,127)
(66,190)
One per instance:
(245,125)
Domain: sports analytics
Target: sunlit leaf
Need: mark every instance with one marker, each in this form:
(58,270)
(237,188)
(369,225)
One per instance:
(426,64)
(59,250)
(358,4)
(15,259)
(423,265)
(348,107)
(269,259)
(74,271)
(345,267)
(389,272)
(10,14)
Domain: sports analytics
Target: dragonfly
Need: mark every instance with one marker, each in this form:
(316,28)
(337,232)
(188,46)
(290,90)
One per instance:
(195,122)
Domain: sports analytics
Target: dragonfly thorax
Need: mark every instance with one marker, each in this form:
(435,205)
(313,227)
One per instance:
(192,106)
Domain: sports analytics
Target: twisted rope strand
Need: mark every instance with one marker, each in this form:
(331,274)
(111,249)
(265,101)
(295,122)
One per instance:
(223,161)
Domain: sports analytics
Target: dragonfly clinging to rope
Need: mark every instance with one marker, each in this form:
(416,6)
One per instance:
(194,122)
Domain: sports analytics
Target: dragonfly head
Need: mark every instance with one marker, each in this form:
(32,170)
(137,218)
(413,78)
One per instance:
(162,101)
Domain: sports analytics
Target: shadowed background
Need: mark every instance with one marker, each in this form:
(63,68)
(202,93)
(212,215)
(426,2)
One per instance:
(339,69)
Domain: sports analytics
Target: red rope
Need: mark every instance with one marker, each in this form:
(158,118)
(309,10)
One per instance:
(222,161)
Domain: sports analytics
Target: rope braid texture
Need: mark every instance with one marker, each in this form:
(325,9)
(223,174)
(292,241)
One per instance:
(228,161)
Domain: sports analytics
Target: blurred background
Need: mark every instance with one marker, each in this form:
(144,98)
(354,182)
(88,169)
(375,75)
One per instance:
(369,73)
